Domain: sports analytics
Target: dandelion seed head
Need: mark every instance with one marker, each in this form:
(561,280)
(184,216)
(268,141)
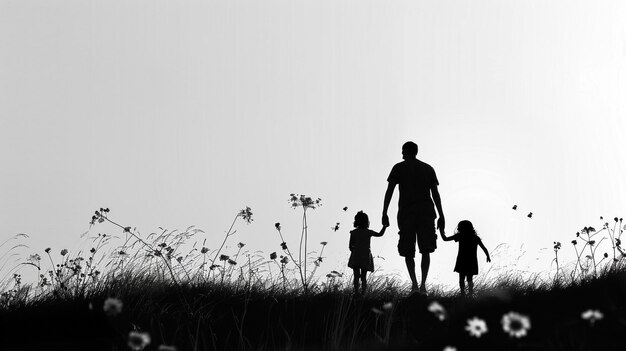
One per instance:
(449,348)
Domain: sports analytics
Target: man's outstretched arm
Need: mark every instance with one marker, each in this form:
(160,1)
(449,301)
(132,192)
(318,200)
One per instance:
(441,222)
(388,195)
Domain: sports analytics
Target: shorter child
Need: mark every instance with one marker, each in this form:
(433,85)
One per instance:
(361,259)
(466,260)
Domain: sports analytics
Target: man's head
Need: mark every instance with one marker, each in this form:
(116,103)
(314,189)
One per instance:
(409,150)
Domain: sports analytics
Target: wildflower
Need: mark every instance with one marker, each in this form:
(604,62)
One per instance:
(47,250)
(166,348)
(127,230)
(574,242)
(283,245)
(112,306)
(592,316)
(138,340)
(376,310)
(606,255)
(273,256)
(63,252)
(224,257)
(336,227)
(179,259)
(277,225)
(93,250)
(284,260)
(246,214)
(35,258)
(388,306)
(592,242)
(618,242)
(231,262)
(240,245)
(213,266)
(204,250)
(515,324)
(577,234)
(476,327)
(304,201)
(438,310)
(324,243)
(557,245)
(615,219)
(345,208)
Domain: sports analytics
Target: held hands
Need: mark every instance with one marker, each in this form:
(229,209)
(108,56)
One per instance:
(385,220)
(441,224)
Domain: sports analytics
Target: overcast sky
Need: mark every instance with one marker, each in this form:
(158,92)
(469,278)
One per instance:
(178,113)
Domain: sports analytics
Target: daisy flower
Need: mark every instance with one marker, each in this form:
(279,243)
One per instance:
(137,341)
(515,324)
(112,306)
(592,316)
(476,327)
(438,310)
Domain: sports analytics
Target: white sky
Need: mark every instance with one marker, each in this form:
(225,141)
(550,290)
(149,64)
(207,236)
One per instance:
(174,113)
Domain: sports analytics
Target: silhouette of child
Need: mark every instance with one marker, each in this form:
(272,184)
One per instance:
(361,259)
(466,260)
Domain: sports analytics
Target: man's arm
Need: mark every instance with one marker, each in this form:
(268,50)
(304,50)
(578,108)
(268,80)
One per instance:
(388,195)
(441,222)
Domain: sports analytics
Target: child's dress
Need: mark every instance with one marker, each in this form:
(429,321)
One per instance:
(466,260)
(361,256)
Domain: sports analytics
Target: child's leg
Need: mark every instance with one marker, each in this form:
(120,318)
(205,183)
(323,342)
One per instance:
(357,276)
(363,280)
(470,284)
(462,283)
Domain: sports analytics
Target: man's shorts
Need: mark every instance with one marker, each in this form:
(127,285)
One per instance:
(416,226)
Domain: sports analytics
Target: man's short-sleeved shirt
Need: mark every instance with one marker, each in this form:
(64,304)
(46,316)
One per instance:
(415,179)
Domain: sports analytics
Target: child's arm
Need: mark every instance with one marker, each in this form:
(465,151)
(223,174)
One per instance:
(444,237)
(482,246)
(382,231)
(351,244)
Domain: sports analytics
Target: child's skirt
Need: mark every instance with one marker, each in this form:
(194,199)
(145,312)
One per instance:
(361,259)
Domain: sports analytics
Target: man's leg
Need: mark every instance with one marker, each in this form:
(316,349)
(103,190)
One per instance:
(410,266)
(425,267)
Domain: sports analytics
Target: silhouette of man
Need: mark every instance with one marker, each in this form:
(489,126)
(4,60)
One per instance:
(416,214)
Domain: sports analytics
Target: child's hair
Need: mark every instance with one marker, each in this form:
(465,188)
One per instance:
(466,227)
(361,220)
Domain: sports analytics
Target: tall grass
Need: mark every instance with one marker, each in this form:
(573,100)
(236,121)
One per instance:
(182,293)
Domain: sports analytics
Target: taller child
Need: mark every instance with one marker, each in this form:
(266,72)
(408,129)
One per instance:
(416,212)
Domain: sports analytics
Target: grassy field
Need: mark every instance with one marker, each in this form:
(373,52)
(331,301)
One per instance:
(223,317)
(151,294)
